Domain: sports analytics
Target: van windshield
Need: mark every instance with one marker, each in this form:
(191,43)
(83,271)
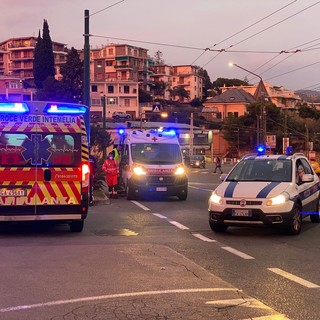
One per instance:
(156,153)
(36,149)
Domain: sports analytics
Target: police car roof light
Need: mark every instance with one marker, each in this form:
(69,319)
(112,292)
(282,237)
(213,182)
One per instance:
(289,150)
(63,108)
(14,107)
(261,149)
(121,131)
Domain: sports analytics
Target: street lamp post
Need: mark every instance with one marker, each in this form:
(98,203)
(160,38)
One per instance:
(262,127)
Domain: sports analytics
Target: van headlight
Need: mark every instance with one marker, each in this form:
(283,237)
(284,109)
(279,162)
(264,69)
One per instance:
(179,171)
(139,171)
(215,199)
(280,199)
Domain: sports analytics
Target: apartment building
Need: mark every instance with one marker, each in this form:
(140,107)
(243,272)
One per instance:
(176,76)
(278,95)
(17,56)
(117,71)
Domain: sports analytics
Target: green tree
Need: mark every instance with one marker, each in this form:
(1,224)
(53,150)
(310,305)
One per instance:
(70,88)
(206,82)
(44,58)
(72,73)
(220,82)
(180,92)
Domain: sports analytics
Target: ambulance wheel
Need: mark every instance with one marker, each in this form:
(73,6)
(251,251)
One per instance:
(76,225)
(183,196)
(129,191)
(294,226)
(218,227)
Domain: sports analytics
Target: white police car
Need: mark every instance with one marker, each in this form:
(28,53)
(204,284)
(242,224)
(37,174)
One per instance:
(266,190)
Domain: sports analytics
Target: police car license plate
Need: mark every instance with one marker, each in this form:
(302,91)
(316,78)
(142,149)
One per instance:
(241,212)
(4,192)
(161,188)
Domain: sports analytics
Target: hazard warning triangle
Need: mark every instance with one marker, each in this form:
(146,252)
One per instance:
(155,108)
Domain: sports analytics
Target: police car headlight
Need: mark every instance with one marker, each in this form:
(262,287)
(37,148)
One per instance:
(179,171)
(215,199)
(280,199)
(139,171)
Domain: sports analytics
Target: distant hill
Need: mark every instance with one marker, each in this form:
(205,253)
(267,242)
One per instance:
(309,95)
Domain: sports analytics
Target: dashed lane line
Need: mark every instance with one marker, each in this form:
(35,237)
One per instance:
(178,225)
(294,278)
(238,253)
(203,238)
(161,216)
(140,205)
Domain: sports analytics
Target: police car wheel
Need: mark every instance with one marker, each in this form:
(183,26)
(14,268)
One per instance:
(218,227)
(183,196)
(315,217)
(294,226)
(76,226)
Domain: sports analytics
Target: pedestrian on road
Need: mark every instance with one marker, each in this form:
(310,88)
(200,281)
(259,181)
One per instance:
(111,168)
(218,165)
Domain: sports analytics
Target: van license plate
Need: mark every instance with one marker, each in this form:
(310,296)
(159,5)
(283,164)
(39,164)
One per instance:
(161,188)
(241,213)
(4,192)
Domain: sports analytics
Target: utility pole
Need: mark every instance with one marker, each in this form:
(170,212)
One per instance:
(104,114)
(191,135)
(86,75)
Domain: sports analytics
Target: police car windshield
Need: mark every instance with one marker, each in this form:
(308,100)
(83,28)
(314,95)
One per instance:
(156,153)
(262,169)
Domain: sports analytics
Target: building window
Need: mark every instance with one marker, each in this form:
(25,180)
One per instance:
(94,88)
(127,102)
(96,102)
(236,114)
(110,51)
(109,63)
(126,89)
(112,100)
(110,89)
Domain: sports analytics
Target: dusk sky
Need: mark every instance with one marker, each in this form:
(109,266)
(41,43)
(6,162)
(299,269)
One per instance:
(276,39)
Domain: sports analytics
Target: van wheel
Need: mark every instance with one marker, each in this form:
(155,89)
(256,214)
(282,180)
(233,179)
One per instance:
(129,192)
(76,226)
(218,227)
(294,226)
(183,196)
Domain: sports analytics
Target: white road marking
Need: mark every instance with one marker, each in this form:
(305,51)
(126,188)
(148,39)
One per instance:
(140,205)
(160,216)
(203,238)
(294,278)
(112,296)
(272,317)
(231,302)
(238,253)
(210,190)
(179,225)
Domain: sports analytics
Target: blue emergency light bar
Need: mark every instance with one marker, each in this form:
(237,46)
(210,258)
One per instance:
(63,108)
(289,150)
(14,107)
(121,131)
(261,149)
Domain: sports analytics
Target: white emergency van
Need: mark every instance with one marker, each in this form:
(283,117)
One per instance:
(44,168)
(152,164)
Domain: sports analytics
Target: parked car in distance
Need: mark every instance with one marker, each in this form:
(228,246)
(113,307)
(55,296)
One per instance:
(117,115)
(197,161)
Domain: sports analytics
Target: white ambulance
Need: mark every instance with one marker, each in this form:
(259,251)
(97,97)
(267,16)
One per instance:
(152,164)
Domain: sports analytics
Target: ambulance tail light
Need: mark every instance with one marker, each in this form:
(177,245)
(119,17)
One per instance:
(64,108)
(14,107)
(85,175)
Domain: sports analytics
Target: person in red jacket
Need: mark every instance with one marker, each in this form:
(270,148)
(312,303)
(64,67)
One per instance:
(111,168)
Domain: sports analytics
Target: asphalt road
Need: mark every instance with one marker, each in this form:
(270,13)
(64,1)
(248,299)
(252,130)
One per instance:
(158,259)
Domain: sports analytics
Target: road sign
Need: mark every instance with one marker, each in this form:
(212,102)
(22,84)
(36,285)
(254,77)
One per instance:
(156,108)
(271,141)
